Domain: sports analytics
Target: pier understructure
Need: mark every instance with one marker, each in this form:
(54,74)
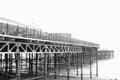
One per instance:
(27,54)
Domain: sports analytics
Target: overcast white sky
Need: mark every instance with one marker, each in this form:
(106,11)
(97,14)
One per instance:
(90,20)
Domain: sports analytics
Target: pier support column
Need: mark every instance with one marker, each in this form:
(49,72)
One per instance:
(77,64)
(10,63)
(68,66)
(6,63)
(45,66)
(29,65)
(1,61)
(48,62)
(59,61)
(32,65)
(96,62)
(55,65)
(21,60)
(18,62)
(90,64)
(18,65)
(26,60)
(82,65)
(40,65)
(36,64)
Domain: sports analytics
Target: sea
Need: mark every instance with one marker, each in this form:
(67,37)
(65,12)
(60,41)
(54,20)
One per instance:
(110,68)
(107,68)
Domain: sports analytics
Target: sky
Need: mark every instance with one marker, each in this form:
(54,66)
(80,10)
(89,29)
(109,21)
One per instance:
(91,20)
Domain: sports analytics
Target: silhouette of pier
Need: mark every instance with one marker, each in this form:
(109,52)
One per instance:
(30,54)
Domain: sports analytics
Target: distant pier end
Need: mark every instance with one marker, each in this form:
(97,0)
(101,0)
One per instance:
(105,54)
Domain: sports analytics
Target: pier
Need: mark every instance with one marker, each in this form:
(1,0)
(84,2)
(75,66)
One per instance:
(105,54)
(30,54)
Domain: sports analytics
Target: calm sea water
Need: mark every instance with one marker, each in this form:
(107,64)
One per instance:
(108,69)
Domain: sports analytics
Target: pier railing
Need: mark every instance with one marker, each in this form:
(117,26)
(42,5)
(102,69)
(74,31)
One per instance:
(16,30)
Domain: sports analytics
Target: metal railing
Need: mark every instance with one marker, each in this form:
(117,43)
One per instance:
(16,30)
